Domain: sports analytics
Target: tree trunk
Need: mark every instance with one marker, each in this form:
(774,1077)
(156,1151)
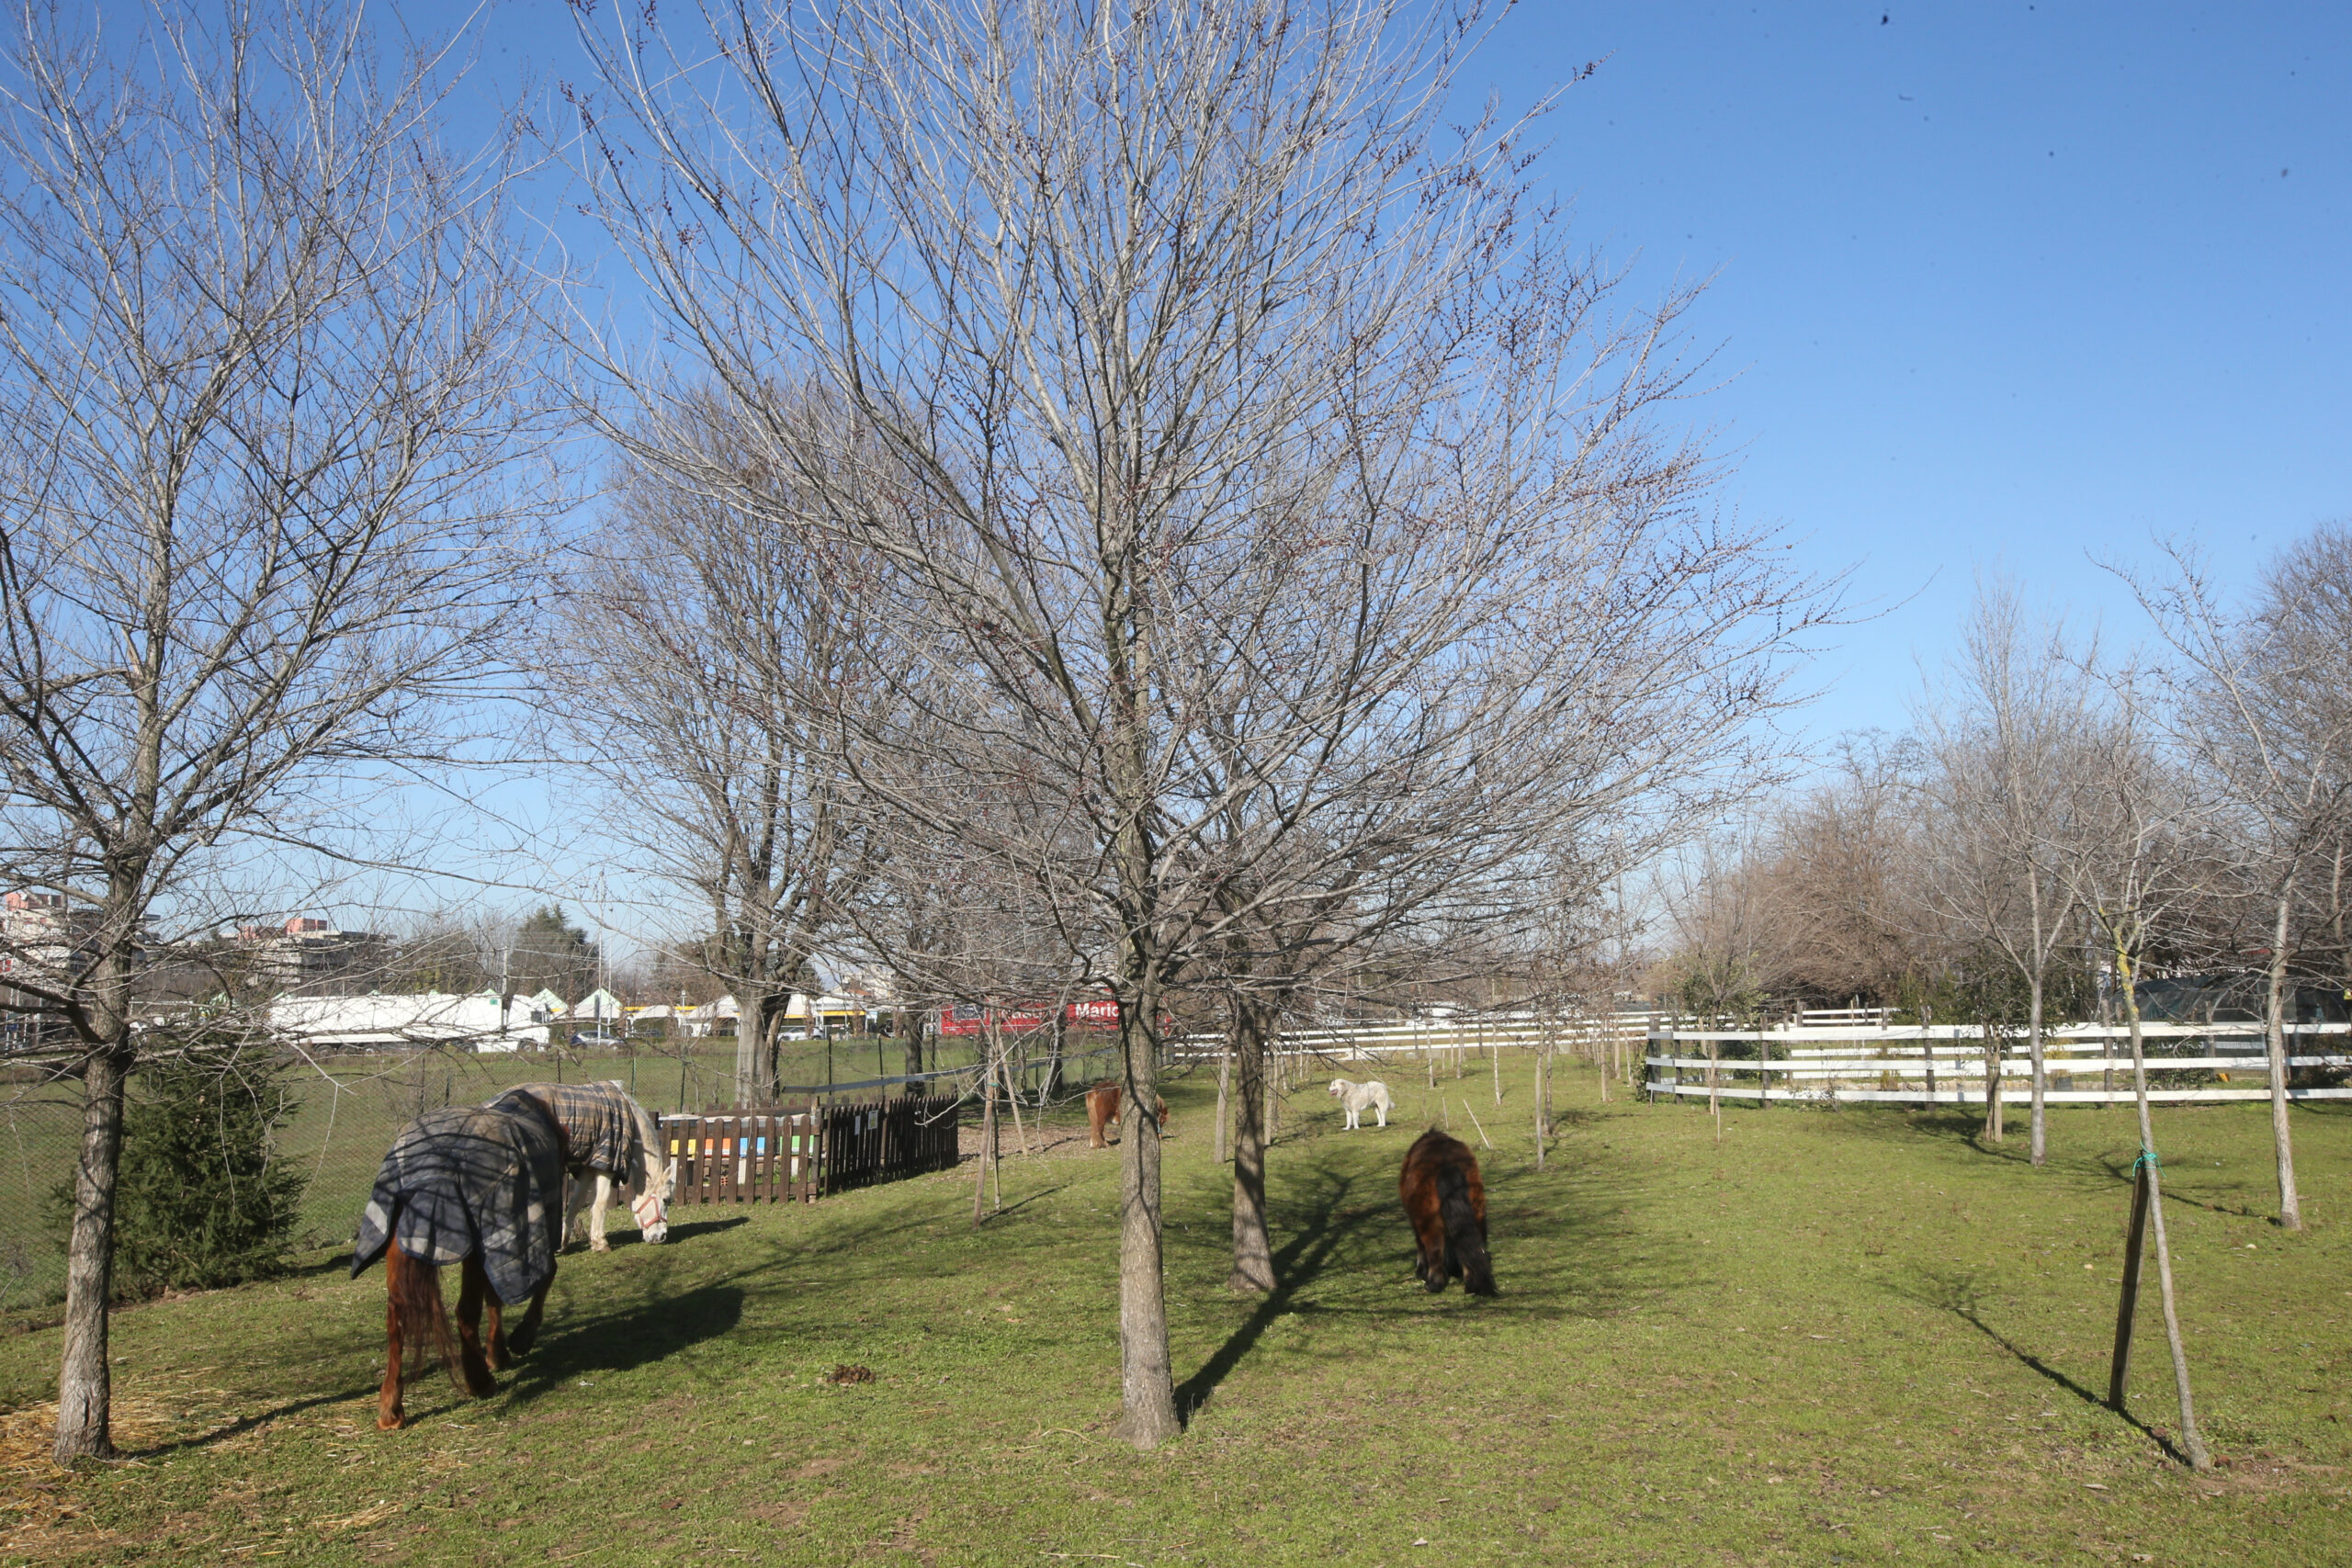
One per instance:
(2283,1135)
(1714,1089)
(1253,1260)
(2039,1141)
(85,1383)
(1052,1082)
(988,1138)
(1269,1073)
(2192,1441)
(2036,1141)
(1542,1048)
(1544,1098)
(1224,1103)
(1992,1120)
(915,1028)
(1146,1383)
(1013,1099)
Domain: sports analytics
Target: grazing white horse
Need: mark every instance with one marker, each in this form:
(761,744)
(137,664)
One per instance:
(647,1188)
(1355,1097)
(609,1141)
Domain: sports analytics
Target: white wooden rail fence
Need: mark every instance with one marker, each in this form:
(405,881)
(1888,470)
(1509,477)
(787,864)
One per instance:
(1378,1043)
(1948,1063)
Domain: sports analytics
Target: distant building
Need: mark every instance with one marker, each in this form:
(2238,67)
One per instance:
(310,957)
(702,1022)
(38,936)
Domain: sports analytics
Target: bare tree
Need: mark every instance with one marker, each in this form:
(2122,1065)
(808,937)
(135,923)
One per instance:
(2004,736)
(265,367)
(1840,907)
(2140,864)
(1143,328)
(708,644)
(1505,724)
(2261,709)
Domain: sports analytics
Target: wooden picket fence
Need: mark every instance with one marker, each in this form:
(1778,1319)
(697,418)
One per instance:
(775,1154)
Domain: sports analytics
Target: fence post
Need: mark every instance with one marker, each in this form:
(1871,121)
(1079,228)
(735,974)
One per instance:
(1927,1039)
(816,1163)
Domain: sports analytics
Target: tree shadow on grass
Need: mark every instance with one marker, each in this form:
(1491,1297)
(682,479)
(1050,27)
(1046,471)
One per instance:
(1563,1247)
(2120,1170)
(1946,1124)
(244,1424)
(1957,1295)
(1317,1226)
(615,1340)
(1017,1205)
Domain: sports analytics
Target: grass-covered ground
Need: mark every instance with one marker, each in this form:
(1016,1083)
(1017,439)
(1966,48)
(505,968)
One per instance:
(343,1113)
(1841,1335)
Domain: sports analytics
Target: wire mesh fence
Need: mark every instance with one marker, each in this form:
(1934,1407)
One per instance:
(345,1110)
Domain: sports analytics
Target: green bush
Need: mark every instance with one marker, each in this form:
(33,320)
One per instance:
(202,1200)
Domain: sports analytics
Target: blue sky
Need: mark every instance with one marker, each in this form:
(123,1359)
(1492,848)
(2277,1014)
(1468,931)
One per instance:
(2015,286)
(2012,287)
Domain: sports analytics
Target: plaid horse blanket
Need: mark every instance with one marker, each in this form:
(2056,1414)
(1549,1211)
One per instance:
(472,1179)
(602,1130)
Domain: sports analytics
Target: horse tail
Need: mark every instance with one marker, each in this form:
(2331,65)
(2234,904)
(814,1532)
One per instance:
(1465,1233)
(413,1287)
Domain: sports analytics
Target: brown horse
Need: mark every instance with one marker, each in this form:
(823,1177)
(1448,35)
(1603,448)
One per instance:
(1102,1108)
(1447,1203)
(481,1187)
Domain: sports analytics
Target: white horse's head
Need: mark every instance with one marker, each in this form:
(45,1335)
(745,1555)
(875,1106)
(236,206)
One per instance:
(649,1194)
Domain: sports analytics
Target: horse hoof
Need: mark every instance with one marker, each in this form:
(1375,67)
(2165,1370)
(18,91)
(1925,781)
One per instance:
(600,1246)
(391,1423)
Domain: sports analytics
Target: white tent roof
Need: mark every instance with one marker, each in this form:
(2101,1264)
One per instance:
(377,1021)
(599,1003)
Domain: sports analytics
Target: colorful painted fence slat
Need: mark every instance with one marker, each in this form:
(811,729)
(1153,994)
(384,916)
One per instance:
(775,1153)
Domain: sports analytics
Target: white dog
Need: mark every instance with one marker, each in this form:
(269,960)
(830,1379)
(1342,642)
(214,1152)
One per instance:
(1355,1097)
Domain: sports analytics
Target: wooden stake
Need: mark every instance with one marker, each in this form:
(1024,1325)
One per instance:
(1014,1098)
(1481,1126)
(2127,1306)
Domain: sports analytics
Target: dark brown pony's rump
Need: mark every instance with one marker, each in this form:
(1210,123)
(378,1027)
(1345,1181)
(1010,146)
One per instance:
(413,1287)
(1446,1202)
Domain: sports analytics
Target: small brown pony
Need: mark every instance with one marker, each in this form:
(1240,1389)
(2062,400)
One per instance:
(481,1187)
(1102,1108)
(1447,1203)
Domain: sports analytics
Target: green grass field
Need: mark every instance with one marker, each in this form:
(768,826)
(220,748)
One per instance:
(1845,1336)
(346,1113)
